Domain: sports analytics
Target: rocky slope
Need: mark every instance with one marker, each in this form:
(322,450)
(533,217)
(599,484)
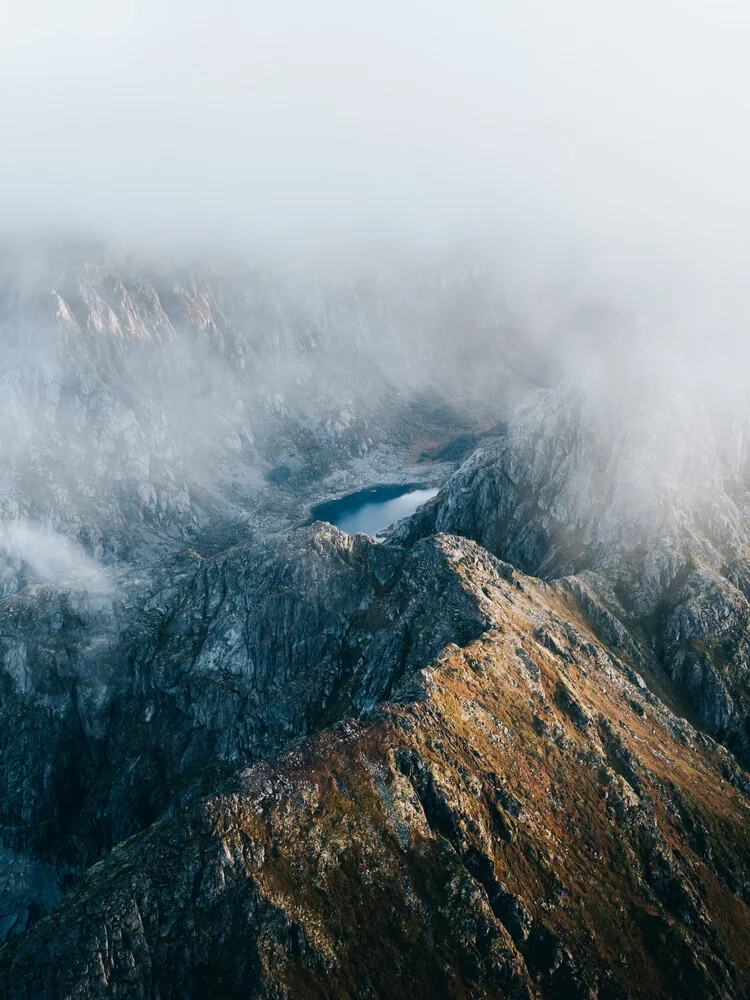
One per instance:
(501,754)
(228,661)
(653,497)
(145,407)
(525,819)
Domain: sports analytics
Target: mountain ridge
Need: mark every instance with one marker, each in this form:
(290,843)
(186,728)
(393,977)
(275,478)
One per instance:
(500,753)
(521,737)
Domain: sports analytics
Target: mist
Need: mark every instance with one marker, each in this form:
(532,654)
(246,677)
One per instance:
(609,132)
(244,241)
(51,557)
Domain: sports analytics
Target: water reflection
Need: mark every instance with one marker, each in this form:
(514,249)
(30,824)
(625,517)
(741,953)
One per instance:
(371,510)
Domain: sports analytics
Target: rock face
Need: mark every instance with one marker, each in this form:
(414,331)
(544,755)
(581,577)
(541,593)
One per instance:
(499,755)
(236,657)
(531,822)
(654,501)
(582,483)
(147,407)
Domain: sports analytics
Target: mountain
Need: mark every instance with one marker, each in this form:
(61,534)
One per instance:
(144,403)
(499,754)
(651,508)
(522,817)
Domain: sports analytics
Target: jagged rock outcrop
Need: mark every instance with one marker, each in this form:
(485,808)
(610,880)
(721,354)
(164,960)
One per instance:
(633,490)
(312,765)
(651,494)
(233,658)
(535,824)
(145,407)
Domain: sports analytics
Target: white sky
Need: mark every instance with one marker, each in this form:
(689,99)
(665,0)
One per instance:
(621,126)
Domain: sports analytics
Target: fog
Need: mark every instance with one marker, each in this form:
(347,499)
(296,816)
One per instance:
(353,232)
(607,130)
(52,557)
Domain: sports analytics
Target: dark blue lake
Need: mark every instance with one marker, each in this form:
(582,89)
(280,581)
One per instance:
(370,511)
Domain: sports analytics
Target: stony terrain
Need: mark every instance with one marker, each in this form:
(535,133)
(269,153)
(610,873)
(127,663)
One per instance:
(656,504)
(501,754)
(524,819)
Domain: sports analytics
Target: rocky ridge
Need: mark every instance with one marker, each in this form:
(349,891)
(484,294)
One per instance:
(500,754)
(234,658)
(526,820)
(655,506)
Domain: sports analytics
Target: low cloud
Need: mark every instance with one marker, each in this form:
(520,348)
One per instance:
(52,557)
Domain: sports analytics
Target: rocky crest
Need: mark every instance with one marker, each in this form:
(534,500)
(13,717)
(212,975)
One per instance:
(499,755)
(532,822)
(655,503)
(237,656)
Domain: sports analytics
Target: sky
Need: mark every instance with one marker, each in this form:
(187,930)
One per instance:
(617,128)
